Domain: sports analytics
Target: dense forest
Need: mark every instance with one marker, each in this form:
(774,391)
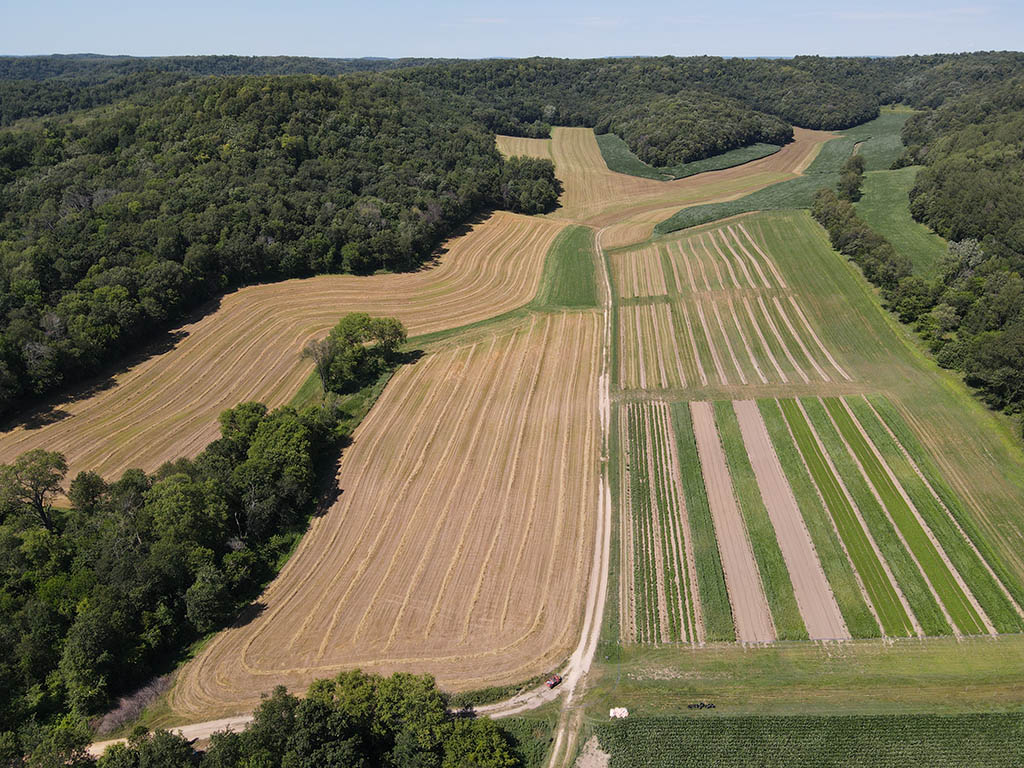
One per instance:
(97,598)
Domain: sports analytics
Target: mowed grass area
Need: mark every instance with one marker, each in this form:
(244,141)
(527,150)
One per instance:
(938,675)
(621,159)
(992,741)
(885,207)
(877,140)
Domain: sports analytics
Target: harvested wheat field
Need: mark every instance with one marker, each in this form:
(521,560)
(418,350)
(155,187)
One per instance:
(599,197)
(248,349)
(462,541)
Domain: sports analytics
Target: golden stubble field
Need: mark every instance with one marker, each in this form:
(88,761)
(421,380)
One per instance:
(461,543)
(248,349)
(630,206)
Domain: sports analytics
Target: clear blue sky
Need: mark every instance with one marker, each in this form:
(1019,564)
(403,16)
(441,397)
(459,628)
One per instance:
(458,28)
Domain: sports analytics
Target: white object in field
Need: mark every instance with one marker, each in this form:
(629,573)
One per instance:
(618,712)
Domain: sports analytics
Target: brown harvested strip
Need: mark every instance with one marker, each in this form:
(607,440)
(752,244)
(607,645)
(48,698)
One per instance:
(700,265)
(782,342)
(656,539)
(799,339)
(764,343)
(814,335)
(641,352)
(768,259)
(942,504)
(742,249)
(813,594)
(746,594)
(920,521)
(711,342)
(746,342)
(540,482)
(709,259)
(728,344)
(673,338)
(867,531)
(743,267)
(682,526)
(167,405)
(728,264)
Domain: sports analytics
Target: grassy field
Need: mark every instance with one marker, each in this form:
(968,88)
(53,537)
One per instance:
(885,208)
(620,158)
(877,140)
(989,741)
(569,278)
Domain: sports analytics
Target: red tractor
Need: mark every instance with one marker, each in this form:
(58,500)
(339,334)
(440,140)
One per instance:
(553,681)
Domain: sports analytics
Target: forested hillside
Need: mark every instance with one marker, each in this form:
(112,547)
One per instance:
(113,227)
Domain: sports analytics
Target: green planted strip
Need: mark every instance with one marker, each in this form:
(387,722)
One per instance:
(920,598)
(834,560)
(950,499)
(714,597)
(664,505)
(945,585)
(569,278)
(986,591)
(778,587)
(894,619)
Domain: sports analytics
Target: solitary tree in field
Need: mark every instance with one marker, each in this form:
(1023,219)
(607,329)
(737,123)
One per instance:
(32,482)
(322,353)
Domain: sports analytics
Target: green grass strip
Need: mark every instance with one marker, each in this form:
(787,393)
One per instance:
(647,598)
(569,278)
(621,159)
(945,585)
(714,597)
(674,572)
(778,588)
(894,619)
(950,499)
(966,561)
(834,561)
(920,598)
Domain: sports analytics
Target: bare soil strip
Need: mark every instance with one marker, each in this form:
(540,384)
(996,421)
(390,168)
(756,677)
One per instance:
(799,339)
(942,504)
(767,259)
(867,531)
(391,578)
(167,406)
(764,342)
(817,341)
(813,594)
(746,343)
(749,605)
(779,338)
(711,342)
(921,521)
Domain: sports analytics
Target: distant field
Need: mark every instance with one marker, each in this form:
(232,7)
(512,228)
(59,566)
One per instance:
(598,197)
(461,540)
(248,348)
(620,158)
(885,208)
(878,141)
